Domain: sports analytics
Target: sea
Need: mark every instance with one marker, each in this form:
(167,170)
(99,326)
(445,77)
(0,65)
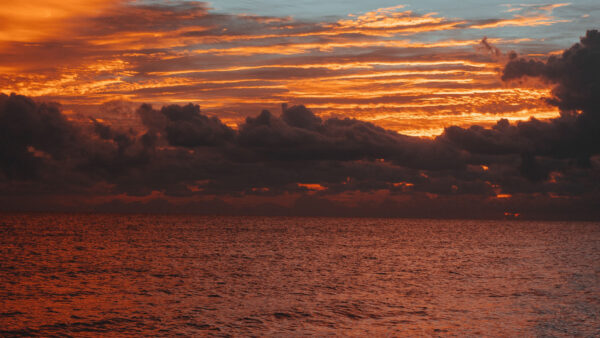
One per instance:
(89,275)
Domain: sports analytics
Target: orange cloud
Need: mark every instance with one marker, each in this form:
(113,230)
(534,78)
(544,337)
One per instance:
(535,16)
(372,66)
(36,20)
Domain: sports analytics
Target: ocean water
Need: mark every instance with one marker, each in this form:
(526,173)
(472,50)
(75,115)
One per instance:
(141,275)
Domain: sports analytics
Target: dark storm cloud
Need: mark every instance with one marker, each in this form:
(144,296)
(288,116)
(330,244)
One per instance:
(300,117)
(182,146)
(185,153)
(555,157)
(39,144)
(185,126)
(300,135)
(576,73)
(574,135)
(28,131)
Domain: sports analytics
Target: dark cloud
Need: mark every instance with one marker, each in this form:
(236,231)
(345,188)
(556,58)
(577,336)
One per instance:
(300,117)
(185,126)
(576,74)
(573,136)
(487,46)
(29,132)
(300,135)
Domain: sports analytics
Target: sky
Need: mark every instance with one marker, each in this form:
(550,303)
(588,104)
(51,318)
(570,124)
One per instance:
(407,108)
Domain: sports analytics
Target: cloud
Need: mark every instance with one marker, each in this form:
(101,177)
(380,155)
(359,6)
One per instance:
(568,143)
(300,117)
(493,50)
(176,155)
(31,132)
(383,65)
(576,75)
(533,15)
(299,134)
(185,126)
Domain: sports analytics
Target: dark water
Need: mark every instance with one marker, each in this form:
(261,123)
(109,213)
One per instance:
(101,275)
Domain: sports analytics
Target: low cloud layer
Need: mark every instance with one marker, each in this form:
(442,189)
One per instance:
(298,163)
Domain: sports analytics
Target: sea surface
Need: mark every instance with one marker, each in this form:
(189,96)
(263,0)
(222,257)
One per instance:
(141,275)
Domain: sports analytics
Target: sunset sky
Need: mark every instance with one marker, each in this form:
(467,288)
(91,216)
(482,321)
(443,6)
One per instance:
(410,108)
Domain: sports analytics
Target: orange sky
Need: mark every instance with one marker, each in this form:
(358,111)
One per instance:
(412,72)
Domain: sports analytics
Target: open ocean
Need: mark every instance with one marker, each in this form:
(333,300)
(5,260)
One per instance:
(144,275)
